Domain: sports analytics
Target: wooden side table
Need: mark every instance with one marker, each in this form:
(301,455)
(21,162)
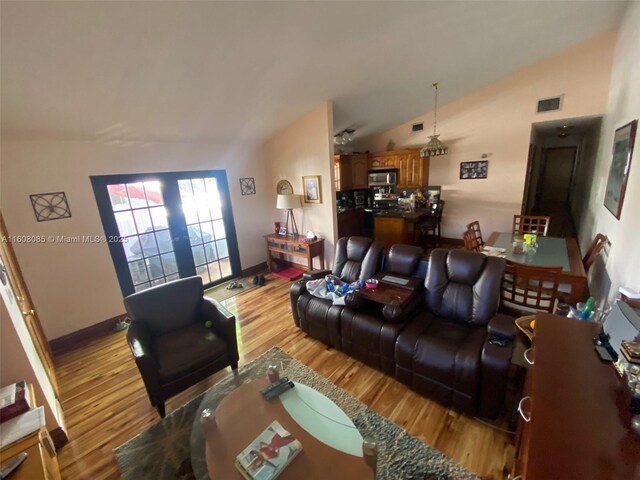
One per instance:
(288,245)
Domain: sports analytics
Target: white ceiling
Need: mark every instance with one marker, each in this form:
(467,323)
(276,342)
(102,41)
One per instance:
(240,71)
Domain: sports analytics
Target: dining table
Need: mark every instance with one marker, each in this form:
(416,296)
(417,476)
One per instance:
(550,252)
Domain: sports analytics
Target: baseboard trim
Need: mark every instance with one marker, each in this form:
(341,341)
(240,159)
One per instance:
(82,337)
(59,437)
(259,268)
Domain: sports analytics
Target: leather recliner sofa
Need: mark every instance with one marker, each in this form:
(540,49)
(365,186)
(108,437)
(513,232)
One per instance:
(450,344)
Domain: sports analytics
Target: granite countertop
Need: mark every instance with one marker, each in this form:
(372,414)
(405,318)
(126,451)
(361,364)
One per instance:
(396,213)
(347,209)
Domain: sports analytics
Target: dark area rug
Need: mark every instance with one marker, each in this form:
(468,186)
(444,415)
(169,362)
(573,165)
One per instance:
(221,292)
(172,449)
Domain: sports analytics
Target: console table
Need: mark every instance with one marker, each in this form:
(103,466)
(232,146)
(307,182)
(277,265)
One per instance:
(577,409)
(296,246)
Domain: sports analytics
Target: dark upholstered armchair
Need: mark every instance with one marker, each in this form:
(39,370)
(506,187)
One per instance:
(357,258)
(457,350)
(172,346)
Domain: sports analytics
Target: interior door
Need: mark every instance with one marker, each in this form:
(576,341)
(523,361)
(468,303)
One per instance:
(11,272)
(166,226)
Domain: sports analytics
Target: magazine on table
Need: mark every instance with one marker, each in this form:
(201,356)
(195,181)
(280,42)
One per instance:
(269,454)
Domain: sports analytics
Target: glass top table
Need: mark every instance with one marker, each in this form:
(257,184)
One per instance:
(551,251)
(229,418)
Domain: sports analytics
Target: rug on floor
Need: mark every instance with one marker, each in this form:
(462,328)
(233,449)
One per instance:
(168,448)
(221,293)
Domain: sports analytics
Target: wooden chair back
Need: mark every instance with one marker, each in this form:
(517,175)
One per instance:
(527,289)
(598,243)
(471,242)
(475,227)
(529,223)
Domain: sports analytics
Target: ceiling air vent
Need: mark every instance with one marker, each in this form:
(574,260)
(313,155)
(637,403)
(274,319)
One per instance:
(417,127)
(550,104)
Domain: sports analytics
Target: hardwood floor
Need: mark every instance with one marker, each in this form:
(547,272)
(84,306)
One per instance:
(105,402)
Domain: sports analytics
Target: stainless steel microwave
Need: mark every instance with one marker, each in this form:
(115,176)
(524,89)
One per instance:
(381,178)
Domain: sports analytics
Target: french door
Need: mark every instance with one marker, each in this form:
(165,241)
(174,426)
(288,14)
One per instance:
(165,226)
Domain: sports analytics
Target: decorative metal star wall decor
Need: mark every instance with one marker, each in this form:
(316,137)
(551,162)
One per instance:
(50,206)
(247,186)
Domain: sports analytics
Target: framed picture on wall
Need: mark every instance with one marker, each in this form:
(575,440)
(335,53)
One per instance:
(620,165)
(312,190)
(474,170)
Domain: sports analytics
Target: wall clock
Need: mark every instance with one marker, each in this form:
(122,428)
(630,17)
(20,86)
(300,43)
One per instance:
(284,188)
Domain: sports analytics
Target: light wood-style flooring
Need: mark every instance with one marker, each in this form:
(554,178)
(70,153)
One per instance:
(105,403)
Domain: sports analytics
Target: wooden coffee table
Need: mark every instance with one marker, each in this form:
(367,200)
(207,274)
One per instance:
(332,446)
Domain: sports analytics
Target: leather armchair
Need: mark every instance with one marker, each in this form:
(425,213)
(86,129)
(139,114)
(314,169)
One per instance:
(457,350)
(178,337)
(356,258)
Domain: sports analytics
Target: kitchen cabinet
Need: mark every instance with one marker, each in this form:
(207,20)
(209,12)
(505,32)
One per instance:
(359,171)
(351,222)
(351,172)
(413,170)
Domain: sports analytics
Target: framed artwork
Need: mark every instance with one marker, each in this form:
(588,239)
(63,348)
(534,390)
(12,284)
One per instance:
(282,231)
(474,170)
(312,190)
(247,186)
(620,165)
(50,206)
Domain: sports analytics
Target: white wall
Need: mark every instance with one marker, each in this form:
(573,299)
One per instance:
(497,120)
(306,148)
(623,260)
(74,285)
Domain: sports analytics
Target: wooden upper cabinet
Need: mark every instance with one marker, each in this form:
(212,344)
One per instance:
(359,171)
(413,170)
(342,169)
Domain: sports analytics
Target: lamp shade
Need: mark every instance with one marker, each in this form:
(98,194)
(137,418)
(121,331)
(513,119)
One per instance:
(287,202)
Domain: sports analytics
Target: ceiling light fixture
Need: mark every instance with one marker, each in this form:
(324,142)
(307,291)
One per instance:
(435,147)
(344,137)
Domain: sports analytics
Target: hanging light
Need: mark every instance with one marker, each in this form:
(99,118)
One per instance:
(435,147)
(344,137)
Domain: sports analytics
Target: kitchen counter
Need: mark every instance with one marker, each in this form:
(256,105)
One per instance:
(410,216)
(342,210)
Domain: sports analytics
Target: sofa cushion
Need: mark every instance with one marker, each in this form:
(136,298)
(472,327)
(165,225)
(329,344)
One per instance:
(187,349)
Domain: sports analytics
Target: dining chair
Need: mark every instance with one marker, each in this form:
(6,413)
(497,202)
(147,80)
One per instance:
(475,227)
(598,243)
(430,228)
(527,289)
(471,242)
(531,223)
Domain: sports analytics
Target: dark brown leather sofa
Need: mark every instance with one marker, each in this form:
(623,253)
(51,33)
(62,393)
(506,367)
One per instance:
(448,343)
(357,258)
(458,350)
(172,346)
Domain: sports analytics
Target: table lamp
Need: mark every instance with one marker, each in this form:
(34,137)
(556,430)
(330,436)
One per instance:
(288,203)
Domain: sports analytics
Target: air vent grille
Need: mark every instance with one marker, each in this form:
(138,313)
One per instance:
(417,127)
(549,104)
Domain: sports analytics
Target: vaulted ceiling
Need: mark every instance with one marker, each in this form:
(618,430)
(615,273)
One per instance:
(240,71)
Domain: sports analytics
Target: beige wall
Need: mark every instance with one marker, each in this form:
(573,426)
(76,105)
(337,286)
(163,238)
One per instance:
(306,148)
(497,120)
(74,285)
(623,259)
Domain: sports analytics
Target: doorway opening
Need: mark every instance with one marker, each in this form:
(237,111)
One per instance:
(165,226)
(561,163)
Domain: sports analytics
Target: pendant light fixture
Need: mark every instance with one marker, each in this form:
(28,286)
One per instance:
(435,147)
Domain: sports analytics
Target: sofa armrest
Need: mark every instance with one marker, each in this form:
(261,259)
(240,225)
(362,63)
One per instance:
(139,339)
(223,323)
(298,289)
(315,274)
(396,313)
(502,326)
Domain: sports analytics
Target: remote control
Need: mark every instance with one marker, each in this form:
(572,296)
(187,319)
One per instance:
(279,390)
(269,388)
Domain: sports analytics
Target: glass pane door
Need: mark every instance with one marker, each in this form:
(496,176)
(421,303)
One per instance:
(169,226)
(141,218)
